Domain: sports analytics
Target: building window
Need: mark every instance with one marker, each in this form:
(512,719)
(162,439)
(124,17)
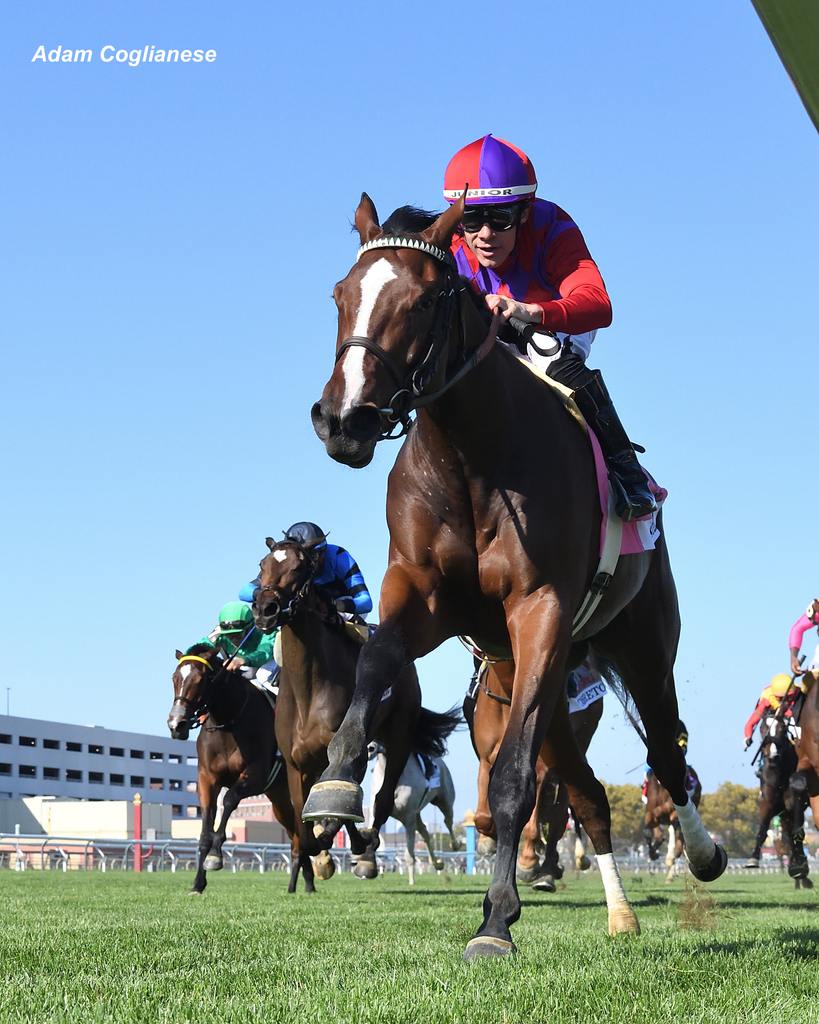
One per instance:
(157,784)
(191,787)
(117,780)
(175,785)
(27,771)
(73,745)
(116,751)
(4,737)
(176,810)
(156,755)
(51,744)
(95,777)
(137,780)
(51,773)
(27,741)
(192,811)
(72,775)
(174,759)
(138,754)
(5,769)
(94,748)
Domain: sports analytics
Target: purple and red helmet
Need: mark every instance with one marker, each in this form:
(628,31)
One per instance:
(495,170)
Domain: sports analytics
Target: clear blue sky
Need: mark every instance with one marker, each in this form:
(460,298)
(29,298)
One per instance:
(171,238)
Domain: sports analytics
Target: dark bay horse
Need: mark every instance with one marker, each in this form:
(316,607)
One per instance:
(804,783)
(236,750)
(547,821)
(494,521)
(319,658)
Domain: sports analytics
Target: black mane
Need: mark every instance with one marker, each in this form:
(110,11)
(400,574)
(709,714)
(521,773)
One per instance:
(408,220)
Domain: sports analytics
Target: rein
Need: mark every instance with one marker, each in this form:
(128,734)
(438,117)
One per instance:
(412,383)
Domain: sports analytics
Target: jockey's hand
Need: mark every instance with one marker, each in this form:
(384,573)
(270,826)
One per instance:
(236,661)
(345,605)
(529,312)
(748,741)
(796,668)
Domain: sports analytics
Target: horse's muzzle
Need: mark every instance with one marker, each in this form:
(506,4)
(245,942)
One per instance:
(352,440)
(178,723)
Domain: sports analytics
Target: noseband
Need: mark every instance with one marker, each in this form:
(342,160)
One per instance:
(412,383)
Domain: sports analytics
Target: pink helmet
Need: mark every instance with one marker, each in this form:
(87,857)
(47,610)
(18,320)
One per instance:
(496,171)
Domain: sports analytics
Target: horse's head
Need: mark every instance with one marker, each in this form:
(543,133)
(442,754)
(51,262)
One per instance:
(192,679)
(395,310)
(284,578)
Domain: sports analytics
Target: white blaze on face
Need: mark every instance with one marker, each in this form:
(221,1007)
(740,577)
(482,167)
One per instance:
(352,362)
(280,555)
(185,671)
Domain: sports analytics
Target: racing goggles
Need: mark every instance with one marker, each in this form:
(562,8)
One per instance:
(499,218)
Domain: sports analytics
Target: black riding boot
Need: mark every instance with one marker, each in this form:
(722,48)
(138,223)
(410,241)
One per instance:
(633,499)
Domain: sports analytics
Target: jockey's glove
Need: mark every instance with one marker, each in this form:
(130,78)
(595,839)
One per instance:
(345,605)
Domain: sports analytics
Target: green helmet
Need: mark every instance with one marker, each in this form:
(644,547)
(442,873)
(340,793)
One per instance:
(235,617)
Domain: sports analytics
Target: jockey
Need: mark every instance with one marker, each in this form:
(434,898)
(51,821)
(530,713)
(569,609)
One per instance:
(797,633)
(337,577)
(770,700)
(530,261)
(236,635)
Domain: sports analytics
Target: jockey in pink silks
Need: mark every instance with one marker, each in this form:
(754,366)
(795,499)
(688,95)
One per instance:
(805,622)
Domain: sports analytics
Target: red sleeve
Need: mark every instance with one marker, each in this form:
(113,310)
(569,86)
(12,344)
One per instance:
(760,709)
(584,304)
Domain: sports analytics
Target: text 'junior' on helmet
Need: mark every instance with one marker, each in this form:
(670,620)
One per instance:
(235,616)
(495,171)
(307,534)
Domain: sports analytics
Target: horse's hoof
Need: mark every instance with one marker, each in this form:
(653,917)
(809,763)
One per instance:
(623,921)
(324,866)
(457,845)
(528,875)
(710,872)
(438,865)
(366,869)
(334,799)
(798,868)
(195,892)
(485,945)
(582,863)
(487,846)
(751,862)
(544,884)
(212,863)
(803,882)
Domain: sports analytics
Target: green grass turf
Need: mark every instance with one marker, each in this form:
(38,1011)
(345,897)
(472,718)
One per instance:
(92,947)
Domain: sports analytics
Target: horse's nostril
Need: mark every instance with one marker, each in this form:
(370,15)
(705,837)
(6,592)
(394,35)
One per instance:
(363,423)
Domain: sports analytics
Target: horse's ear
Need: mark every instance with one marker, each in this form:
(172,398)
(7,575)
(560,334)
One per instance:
(179,655)
(366,219)
(441,231)
(270,543)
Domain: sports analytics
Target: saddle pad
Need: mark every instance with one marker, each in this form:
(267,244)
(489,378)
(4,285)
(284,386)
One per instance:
(638,536)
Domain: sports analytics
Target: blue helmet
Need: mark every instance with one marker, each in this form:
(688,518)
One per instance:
(308,535)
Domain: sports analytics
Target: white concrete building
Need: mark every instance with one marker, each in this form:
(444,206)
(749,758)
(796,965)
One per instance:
(89,762)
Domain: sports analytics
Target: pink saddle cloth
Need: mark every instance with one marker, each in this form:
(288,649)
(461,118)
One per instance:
(640,535)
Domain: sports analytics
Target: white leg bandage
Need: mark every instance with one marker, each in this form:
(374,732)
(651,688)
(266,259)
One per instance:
(699,846)
(612,883)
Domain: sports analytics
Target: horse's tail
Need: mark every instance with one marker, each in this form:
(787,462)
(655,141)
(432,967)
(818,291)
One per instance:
(608,671)
(433,729)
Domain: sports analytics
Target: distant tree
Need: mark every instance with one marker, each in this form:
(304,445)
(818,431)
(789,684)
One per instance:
(626,813)
(731,815)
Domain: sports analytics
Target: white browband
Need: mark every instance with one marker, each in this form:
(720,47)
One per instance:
(403,243)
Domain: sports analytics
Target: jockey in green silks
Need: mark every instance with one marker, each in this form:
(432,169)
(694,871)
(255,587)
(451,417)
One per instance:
(245,651)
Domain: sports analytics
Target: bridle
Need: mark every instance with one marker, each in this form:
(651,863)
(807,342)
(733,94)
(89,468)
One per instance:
(197,711)
(284,615)
(412,382)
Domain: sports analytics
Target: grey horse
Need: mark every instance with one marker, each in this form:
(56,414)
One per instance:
(413,793)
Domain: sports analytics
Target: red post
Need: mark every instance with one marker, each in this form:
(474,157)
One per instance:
(137,831)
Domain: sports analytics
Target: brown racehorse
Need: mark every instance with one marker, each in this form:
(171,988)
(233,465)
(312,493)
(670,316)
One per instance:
(494,521)
(659,812)
(548,820)
(319,659)
(236,750)
(804,783)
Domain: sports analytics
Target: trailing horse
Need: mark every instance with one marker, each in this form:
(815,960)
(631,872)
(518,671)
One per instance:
(319,657)
(659,812)
(495,524)
(414,791)
(803,787)
(236,750)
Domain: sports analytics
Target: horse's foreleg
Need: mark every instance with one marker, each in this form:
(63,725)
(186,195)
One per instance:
(308,873)
(793,824)
(208,791)
(436,863)
(409,828)
(338,796)
(213,861)
(540,660)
